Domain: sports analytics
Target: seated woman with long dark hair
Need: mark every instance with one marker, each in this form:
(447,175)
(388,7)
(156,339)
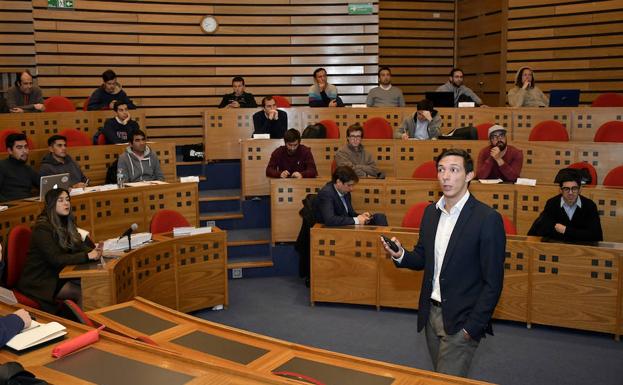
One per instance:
(55,243)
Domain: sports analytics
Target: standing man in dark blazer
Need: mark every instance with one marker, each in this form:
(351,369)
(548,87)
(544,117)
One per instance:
(333,205)
(461,250)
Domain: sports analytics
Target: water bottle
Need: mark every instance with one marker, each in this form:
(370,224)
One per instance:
(120,178)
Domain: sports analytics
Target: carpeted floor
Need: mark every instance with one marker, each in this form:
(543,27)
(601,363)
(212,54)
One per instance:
(279,307)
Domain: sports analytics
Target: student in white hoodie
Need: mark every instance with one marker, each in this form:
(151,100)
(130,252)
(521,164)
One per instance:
(138,162)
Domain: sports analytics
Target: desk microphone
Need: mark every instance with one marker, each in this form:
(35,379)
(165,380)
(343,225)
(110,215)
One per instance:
(129,231)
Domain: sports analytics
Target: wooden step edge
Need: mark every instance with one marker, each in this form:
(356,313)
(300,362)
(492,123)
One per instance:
(216,217)
(248,242)
(249,264)
(222,198)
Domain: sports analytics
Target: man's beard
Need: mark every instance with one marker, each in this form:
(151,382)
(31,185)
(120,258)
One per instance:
(501,146)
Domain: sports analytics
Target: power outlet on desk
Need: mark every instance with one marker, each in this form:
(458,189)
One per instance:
(236,273)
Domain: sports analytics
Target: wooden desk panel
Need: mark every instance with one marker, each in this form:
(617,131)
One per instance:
(524,119)
(108,213)
(274,353)
(547,283)
(520,204)
(225,128)
(39,126)
(587,120)
(255,158)
(186,273)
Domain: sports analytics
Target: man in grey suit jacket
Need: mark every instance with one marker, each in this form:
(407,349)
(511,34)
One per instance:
(461,250)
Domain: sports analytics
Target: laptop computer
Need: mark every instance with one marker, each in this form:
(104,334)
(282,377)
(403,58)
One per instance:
(564,98)
(441,99)
(50,182)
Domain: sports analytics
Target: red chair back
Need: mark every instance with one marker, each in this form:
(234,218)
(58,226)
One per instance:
(609,99)
(427,170)
(590,168)
(549,130)
(164,221)
(78,313)
(17,250)
(281,101)
(333,131)
(101,139)
(483,130)
(333,166)
(413,217)
(58,104)
(76,138)
(7,132)
(610,132)
(509,227)
(614,177)
(377,128)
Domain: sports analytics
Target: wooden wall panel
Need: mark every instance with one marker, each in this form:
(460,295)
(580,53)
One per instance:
(416,39)
(17,48)
(481,31)
(165,61)
(569,44)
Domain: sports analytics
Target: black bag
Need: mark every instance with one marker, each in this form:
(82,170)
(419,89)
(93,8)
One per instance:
(111,174)
(192,152)
(314,131)
(13,373)
(462,133)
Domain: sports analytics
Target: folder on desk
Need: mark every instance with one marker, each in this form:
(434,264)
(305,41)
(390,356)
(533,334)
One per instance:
(36,334)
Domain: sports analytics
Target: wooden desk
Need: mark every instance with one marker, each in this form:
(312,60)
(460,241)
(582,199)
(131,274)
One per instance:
(118,360)
(224,129)
(106,214)
(95,160)
(39,126)
(217,344)
(186,273)
(555,284)
(520,204)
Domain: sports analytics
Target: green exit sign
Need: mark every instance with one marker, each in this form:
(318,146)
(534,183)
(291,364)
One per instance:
(360,9)
(61,4)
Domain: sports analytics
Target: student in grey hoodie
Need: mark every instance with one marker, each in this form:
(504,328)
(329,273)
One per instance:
(57,161)
(138,162)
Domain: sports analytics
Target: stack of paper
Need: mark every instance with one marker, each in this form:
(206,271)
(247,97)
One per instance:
(490,181)
(36,334)
(2,208)
(178,231)
(122,244)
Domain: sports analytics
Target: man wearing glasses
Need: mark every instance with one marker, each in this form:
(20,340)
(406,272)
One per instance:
(355,156)
(499,160)
(569,216)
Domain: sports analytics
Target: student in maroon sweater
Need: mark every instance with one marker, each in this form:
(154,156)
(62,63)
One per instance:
(293,160)
(499,160)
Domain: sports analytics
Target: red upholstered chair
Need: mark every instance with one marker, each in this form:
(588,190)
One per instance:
(483,130)
(333,166)
(281,101)
(610,132)
(101,139)
(17,250)
(58,104)
(7,132)
(549,130)
(413,217)
(614,177)
(509,227)
(164,221)
(590,168)
(76,138)
(333,131)
(85,104)
(427,170)
(610,99)
(377,128)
